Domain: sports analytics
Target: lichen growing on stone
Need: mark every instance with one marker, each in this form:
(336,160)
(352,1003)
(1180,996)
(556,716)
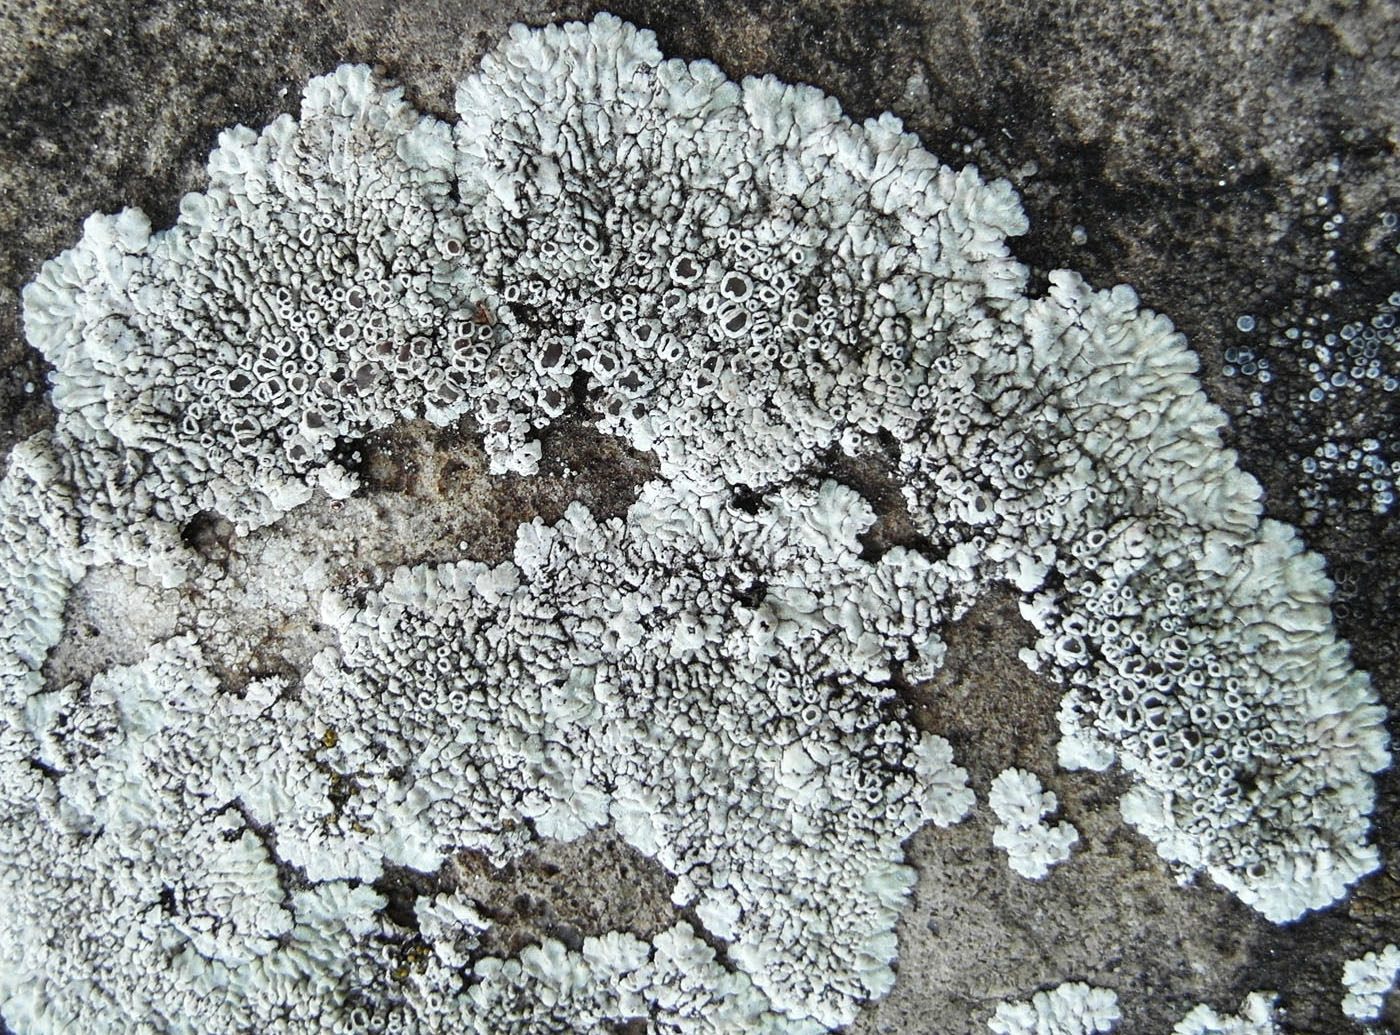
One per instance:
(1255,1017)
(1032,846)
(1072,1008)
(1322,378)
(1368,980)
(742,283)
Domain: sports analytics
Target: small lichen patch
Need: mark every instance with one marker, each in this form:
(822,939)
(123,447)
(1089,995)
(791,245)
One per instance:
(1255,1017)
(1073,1008)
(1032,846)
(1329,368)
(1368,981)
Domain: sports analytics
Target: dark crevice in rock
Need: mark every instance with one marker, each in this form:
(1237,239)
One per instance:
(719,945)
(874,476)
(210,535)
(581,392)
(290,878)
(48,770)
(402,886)
(752,594)
(747,500)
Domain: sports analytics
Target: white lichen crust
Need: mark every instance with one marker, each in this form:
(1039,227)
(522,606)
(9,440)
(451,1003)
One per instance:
(764,773)
(741,282)
(1032,846)
(1368,981)
(1073,1008)
(1256,1017)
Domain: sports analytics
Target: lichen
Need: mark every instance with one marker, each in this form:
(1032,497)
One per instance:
(1255,1017)
(1368,980)
(1032,846)
(1321,377)
(744,284)
(1072,1008)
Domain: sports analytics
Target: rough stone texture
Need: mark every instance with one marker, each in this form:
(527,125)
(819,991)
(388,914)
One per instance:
(540,896)
(1187,141)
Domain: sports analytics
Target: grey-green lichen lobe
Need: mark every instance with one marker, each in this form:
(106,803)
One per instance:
(1186,141)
